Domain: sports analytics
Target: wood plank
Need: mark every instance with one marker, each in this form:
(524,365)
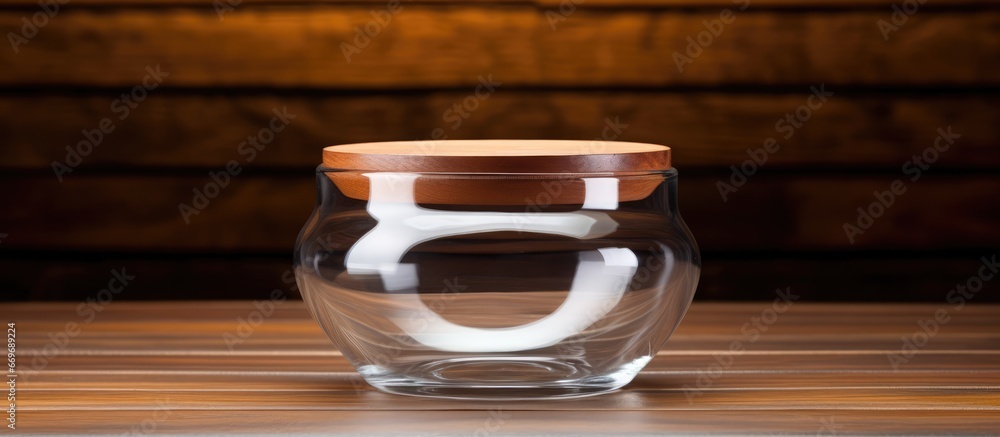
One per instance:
(514,422)
(813,387)
(310,341)
(801,329)
(430,47)
(313,382)
(546,4)
(75,277)
(704,129)
(792,4)
(821,277)
(800,213)
(663,399)
(753,276)
(690,364)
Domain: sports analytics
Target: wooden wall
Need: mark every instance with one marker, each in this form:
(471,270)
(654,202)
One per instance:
(562,75)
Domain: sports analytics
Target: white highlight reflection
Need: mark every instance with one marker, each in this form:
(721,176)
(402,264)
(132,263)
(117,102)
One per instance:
(602,276)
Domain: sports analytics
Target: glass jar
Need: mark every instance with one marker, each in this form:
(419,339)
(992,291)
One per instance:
(501,269)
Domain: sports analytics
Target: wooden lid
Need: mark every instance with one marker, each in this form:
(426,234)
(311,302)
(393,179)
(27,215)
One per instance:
(499,156)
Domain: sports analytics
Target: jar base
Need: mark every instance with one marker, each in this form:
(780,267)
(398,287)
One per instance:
(447,391)
(492,378)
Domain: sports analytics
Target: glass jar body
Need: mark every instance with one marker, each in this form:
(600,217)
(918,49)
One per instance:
(497,285)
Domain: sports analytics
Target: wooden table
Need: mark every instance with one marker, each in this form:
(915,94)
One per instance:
(817,369)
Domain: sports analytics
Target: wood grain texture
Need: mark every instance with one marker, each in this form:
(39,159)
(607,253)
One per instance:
(609,60)
(539,163)
(464,423)
(264,214)
(498,190)
(547,4)
(498,156)
(818,369)
(515,45)
(705,129)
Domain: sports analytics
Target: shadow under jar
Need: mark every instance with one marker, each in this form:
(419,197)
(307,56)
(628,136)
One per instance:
(497,269)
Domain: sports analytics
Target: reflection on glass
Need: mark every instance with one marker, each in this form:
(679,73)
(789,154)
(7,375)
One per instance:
(497,300)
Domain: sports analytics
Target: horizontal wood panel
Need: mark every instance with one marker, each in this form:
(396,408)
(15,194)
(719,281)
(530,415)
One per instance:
(448,47)
(74,277)
(100,339)
(265,214)
(704,129)
(94,342)
(318,382)
(663,399)
(517,422)
(874,276)
(822,277)
(791,362)
(548,4)
(868,326)
(794,389)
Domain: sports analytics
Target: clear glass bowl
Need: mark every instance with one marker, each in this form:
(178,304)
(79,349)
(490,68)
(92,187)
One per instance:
(499,286)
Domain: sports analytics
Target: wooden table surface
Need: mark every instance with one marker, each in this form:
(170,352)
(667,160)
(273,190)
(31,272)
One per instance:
(816,369)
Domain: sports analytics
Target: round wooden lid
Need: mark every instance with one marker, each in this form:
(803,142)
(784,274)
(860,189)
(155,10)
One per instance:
(499,156)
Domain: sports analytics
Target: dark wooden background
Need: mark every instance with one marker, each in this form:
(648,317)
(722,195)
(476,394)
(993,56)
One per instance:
(608,58)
